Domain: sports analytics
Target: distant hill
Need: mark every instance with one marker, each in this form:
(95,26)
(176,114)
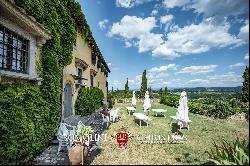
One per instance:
(209,89)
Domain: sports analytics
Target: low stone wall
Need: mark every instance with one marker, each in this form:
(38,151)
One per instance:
(94,120)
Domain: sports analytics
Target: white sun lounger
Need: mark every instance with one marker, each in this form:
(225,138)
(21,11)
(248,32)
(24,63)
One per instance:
(160,111)
(142,117)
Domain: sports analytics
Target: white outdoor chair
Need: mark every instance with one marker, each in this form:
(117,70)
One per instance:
(79,124)
(105,119)
(65,136)
(113,115)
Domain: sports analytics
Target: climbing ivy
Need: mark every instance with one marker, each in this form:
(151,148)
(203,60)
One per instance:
(30,114)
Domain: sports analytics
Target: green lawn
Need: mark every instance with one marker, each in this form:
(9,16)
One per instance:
(203,131)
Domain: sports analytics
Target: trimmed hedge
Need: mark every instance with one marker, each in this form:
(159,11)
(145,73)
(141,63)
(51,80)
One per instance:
(25,126)
(88,100)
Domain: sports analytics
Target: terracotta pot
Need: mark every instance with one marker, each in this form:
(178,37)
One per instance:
(77,154)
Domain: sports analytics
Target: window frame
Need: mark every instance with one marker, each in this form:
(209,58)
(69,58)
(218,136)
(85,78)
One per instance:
(13,57)
(91,80)
(93,58)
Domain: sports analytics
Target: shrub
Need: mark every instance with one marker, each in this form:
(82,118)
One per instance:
(25,126)
(110,100)
(198,108)
(170,100)
(220,109)
(88,100)
(236,153)
(84,132)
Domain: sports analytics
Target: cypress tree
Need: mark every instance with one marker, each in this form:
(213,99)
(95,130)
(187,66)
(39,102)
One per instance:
(143,84)
(126,90)
(161,92)
(245,87)
(165,90)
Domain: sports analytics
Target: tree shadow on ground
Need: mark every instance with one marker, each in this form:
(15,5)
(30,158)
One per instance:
(138,122)
(159,115)
(176,127)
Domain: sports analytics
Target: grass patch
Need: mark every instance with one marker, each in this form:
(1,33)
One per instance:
(203,131)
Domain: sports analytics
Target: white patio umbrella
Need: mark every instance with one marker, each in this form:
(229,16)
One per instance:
(182,111)
(134,99)
(146,103)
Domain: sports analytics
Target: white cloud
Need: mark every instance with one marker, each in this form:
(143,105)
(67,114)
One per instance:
(102,24)
(211,8)
(136,81)
(164,52)
(109,64)
(167,21)
(198,82)
(163,68)
(157,75)
(230,77)
(116,83)
(138,30)
(227,79)
(194,39)
(138,77)
(130,3)
(131,27)
(198,69)
(240,64)
(167,83)
(154,12)
(131,81)
(221,8)
(175,3)
(128,44)
(247,56)
(190,39)
(244,32)
(149,42)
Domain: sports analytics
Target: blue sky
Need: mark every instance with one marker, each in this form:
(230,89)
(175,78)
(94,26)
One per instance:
(181,43)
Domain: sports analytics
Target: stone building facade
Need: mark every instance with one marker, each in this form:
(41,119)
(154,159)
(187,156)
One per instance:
(86,70)
(21,41)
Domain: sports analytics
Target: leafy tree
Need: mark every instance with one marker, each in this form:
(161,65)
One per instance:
(245,87)
(143,83)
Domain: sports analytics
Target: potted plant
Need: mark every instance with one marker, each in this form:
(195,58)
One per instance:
(79,151)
